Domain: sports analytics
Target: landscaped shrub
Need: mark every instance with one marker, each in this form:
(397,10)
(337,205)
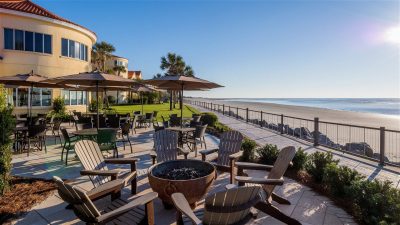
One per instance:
(268,154)
(59,105)
(376,202)
(209,118)
(93,105)
(248,147)
(300,159)
(338,179)
(317,162)
(7,123)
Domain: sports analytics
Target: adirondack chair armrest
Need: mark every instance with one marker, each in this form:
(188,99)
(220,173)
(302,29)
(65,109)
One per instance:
(252,166)
(184,151)
(121,160)
(142,200)
(235,155)
(183,207)
(204,153)
(106,173)
(254,180)
(106,189)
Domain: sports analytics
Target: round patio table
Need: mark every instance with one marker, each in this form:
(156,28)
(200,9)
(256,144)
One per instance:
(90,133)
(182,131)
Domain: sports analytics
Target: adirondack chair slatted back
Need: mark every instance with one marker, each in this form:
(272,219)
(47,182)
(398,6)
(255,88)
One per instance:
(83,206)
(230,143)
(231,206)
(281,164)
(166,145)
(92,159)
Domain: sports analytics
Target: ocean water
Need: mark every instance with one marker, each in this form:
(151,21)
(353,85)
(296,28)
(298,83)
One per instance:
(386,106)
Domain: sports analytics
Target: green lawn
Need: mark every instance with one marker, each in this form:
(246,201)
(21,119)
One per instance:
(163,110)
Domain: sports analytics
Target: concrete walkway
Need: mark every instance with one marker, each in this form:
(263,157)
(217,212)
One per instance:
(371,169)
(306,205)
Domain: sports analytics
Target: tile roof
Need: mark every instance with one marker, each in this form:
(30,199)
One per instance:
(28,6)
(134,74)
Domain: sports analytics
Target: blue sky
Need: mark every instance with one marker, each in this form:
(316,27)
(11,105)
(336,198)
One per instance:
(255,48)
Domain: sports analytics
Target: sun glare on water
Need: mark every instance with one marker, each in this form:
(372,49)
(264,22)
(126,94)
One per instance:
(392,35)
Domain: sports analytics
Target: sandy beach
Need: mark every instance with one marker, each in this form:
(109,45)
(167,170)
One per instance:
(328,115)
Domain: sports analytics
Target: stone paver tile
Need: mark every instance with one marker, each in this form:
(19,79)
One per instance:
(314,215)
(332,220)
(32,218)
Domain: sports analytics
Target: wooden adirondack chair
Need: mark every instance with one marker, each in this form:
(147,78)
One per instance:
(227,207)
(166,146)
(228,151)
(138,211)
(95,166)
(274,178)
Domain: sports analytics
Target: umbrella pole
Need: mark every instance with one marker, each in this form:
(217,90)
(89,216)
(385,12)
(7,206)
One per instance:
(141,97)
(30,105)
(97,102)
(182,106)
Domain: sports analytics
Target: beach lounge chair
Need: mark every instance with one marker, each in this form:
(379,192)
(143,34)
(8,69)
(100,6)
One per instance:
(95,166)
(228,151)
(138,211)
(166,146)
(274,178)
(226,207)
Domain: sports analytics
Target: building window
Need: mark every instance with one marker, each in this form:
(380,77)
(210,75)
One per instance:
(74,97)
(8,38)
(40,97)
(19,40)
(73,49)
(47,44)
(28,41)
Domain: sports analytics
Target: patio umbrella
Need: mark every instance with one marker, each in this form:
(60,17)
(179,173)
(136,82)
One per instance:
(141,89)
(30,80)
(181,83)
(96,79)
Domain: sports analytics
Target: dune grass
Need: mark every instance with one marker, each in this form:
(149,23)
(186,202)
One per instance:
(163,110)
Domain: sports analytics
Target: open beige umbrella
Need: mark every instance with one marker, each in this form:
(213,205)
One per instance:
(30,80)
(96,79)
(181,83)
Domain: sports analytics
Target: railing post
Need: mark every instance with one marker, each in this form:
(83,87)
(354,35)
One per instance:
(247,115)
(382,146)
(261,119)
(223,109)
(211,106)
(237,112)
(229,108)
(316,131)
(281,124)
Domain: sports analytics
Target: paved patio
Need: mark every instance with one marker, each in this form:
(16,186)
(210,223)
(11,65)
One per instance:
(307,206)
(371,169)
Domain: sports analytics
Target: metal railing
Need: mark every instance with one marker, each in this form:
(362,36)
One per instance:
(378,144)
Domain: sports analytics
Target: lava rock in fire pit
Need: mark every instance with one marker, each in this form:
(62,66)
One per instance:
(185,173)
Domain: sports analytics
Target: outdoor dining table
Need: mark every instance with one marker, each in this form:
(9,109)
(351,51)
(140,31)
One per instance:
(182,132)
(90,133)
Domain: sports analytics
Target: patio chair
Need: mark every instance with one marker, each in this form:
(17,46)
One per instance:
(166,146)
(37,137)
(140,210)
(134,123)
(174,121)
(124,132)
(196,118)
(137,112)
(155,113)
(49,123)
(102,121)
(157,126)
(55,130)
(148,119)
(226,207)
(197,136)
(107,138)
(95,166)
(228,151)
(274,178)
(113,121)
(69,141)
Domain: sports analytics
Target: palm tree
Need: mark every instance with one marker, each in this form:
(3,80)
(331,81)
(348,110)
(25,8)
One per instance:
(119,69)
(100,53)
(174,65)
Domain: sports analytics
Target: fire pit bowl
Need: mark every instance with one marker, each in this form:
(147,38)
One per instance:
(193,178)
